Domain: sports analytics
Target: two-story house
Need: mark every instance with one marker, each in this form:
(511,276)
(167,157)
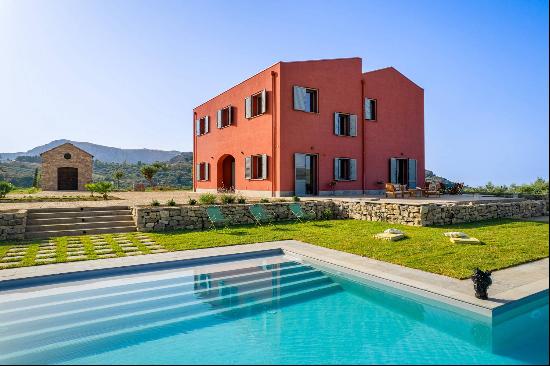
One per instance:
(311,128)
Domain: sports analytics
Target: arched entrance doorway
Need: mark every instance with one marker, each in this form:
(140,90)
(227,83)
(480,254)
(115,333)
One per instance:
(226,173)
(67,179)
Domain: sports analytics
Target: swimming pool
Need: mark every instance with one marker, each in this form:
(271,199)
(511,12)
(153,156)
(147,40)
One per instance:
(266,310)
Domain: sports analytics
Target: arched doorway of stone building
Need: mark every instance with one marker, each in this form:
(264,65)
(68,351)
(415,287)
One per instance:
(226,173)
(67,179)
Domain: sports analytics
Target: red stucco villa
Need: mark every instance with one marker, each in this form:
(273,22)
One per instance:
(311,128)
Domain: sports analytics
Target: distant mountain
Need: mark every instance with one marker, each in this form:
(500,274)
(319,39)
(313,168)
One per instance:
(102,153)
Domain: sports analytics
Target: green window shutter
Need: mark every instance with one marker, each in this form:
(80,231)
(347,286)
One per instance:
(300,96)
(206,124)
(368,109)
(393,170)
(198,127)
(353,125)
(412,173)
(337,169)
(248,167)
(219,113)
(264,101)
(264,166)
(337,123)
(248,107)
(353,169)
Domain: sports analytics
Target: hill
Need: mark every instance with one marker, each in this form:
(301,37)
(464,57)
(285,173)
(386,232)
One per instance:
(102,153)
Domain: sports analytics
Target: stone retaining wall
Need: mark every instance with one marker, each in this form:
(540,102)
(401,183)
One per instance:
(439,214)
(195,217)
(13,224)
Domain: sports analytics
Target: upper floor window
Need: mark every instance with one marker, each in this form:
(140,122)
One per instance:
(345,124)
(345,169)
(225,117)
(256,167)
(306,99)
(202,171)
(255,105)
(202,125)
(370,109)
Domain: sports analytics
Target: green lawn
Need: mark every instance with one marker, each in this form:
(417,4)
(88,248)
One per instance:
(505,242)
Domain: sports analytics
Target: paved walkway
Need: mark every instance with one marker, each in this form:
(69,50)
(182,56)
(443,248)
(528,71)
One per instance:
(508,286)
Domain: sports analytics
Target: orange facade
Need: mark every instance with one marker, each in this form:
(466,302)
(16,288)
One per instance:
(311,128)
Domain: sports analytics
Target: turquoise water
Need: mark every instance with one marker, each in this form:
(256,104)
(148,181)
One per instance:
(287,313)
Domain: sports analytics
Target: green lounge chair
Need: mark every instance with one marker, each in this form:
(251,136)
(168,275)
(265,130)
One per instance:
(216,217)
(299,213)
(260,215)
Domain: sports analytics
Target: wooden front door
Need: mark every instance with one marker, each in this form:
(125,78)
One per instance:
(67,179)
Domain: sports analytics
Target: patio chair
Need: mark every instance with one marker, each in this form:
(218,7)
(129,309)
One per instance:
(430,189)
(260,215)
(216,217)
(299,213)
(457,188)
(396,189)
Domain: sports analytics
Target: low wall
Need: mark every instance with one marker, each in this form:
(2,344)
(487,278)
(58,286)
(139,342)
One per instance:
(195,217)
(13,224)
(440,214)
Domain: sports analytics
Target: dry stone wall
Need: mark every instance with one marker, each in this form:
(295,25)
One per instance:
(195,217)
(13,225)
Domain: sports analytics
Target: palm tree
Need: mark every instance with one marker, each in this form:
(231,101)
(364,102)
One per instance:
(118,175)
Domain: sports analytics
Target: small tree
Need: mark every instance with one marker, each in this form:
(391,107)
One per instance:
(118,175)
(104,188)
(5,188)
(149,172)
(35,179)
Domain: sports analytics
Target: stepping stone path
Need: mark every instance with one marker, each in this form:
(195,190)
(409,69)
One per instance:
(47,249)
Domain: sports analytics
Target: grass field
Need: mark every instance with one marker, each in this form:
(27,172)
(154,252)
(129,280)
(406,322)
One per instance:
(505,243)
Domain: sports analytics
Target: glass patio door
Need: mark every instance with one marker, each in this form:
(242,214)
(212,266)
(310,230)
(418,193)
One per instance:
(305,174)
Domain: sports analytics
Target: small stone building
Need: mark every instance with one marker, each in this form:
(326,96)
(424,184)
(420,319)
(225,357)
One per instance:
(66,168)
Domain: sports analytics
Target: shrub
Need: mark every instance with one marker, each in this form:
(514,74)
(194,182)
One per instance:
(192,201)
(264,200)
(227,199)
(155,203)
(149,172)
(207,199)
(327,214)
(5,188)
(296,198)
(103,188)
(171,202)
(241,200)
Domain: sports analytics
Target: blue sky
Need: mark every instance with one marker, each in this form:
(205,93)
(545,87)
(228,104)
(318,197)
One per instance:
(128,73)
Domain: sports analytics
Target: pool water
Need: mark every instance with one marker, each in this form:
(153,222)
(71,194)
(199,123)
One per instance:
(274,311)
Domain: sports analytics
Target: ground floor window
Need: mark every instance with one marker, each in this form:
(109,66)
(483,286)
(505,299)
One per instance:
(256,167)
(345,169)
(202,171)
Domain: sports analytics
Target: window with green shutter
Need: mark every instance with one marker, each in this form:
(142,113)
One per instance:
(202,125)
(256,167)
(225,117)
(306,99)
(370,109)
(345,124)
(345,169)
(256,104)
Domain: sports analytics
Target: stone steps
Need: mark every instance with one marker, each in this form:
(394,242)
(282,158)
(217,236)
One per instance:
(52,222)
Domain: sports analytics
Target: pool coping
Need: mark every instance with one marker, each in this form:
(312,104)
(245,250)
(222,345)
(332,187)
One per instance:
(451,291)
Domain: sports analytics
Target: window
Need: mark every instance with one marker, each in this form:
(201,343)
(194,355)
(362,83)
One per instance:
(345,124)
(202,125)
(202,171)
(256,167)
(255,105)
(225,117)
(403,171)
(345,169)
(370,109)
(306,99)
(67,156)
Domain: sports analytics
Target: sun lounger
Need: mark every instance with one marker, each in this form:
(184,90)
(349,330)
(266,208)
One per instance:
(260,215)
(299,212)
(216,217)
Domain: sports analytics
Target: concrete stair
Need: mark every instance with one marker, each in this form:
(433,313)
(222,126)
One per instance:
(50,222)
